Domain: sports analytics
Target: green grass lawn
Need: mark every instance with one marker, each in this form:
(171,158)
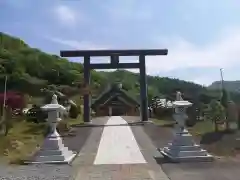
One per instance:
(201,128)
(77,121)
(163,122)
(22,140)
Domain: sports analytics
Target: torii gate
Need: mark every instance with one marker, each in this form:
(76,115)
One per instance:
(114,64)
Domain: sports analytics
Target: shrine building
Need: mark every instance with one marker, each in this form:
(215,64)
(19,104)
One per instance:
(116,101)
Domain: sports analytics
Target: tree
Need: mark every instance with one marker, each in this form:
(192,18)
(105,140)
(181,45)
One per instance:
(3,124)
(151,93)
(203,109)
(224,98)
(216,113)
(232,113)
(13,100)
(6,120)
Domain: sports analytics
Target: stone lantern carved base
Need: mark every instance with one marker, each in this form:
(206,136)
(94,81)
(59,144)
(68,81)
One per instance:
(184,149)
(53,151)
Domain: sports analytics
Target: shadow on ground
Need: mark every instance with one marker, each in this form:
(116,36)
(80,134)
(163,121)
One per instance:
(76,142)
(170,125)
(160,135)
(106,125)
(213,137)
(162,160)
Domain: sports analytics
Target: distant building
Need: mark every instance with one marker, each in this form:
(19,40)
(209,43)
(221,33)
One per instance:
(115,102)
(161,103)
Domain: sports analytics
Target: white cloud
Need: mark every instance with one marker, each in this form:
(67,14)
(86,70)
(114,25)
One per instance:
(80,45)
(65,15)
(128,9)
(221,53)
(205,81)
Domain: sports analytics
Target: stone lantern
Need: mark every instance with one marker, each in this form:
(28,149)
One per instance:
(53,149)
(183,147)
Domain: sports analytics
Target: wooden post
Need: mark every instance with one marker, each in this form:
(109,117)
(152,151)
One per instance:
(143,89)
(86,97)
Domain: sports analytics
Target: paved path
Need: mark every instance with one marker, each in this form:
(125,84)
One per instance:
(118,145)
(118,151)
(203,171)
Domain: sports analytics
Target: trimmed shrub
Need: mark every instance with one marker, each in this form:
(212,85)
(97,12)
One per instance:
(62,127)
(74,112)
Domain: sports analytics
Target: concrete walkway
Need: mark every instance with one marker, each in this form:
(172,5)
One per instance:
(107,137)
(118,144)
(118,151)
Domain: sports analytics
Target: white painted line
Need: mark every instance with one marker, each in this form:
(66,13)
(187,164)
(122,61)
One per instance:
(118,144)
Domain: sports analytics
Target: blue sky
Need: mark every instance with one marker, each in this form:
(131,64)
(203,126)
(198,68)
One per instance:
(202,36)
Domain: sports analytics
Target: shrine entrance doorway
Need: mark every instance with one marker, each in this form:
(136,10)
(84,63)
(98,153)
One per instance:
(115,64)
(118,111)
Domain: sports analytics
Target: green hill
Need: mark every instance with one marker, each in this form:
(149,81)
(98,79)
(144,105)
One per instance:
(29,70)
(233,86)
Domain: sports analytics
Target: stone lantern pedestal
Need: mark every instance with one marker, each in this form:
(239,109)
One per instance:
(53,149)
(183,148)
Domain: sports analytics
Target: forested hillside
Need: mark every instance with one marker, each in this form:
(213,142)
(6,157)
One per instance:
(29,70)
(233,86)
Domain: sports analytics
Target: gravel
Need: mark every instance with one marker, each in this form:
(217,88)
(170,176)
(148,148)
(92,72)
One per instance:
(37,172)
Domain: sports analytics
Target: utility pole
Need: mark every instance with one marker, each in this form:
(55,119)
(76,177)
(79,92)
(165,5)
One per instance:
(4,98)
(3,126)
(223,87)
(225,101)
(5,92)
(221,73)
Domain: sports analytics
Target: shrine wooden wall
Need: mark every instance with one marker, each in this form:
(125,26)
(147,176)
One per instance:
(104,111)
